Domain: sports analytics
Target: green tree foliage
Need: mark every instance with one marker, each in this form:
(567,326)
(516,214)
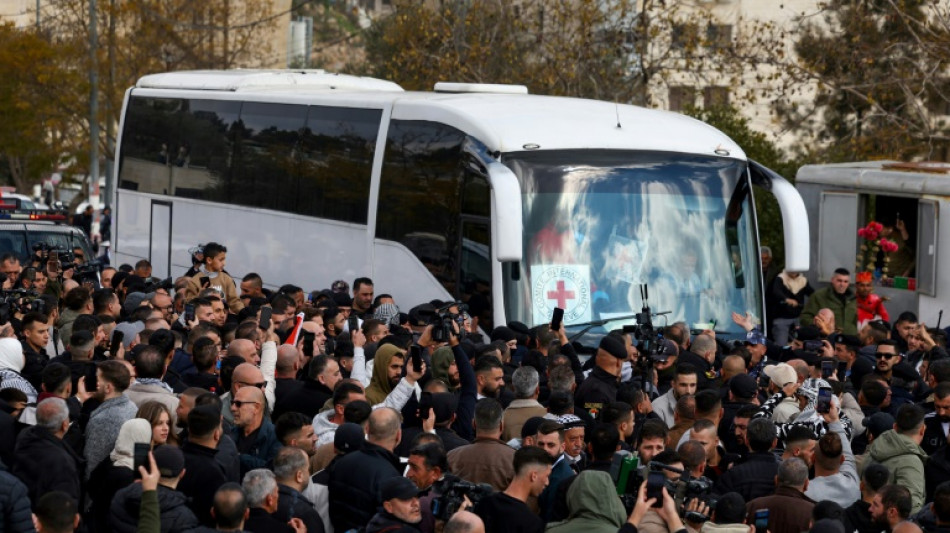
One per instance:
(880,68)
(37,112)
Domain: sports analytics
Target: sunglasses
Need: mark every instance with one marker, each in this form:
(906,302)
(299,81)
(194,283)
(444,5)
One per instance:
(241,404)
(885,355)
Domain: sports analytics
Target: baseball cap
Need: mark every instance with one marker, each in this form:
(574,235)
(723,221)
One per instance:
(755,337)
(348,437)
(847,340)
(340,286)
(398,488)
(878,423)
(613,346)
(129,330)
(133,301)
(743,386)
(781,374)
(170,460)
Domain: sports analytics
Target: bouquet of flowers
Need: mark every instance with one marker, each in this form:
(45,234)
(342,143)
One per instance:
(868,256)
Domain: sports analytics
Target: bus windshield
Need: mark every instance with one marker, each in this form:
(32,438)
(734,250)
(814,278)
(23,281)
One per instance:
(600,223)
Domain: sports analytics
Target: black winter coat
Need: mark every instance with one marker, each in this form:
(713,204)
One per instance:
(598,390)
(355,483)
(203,476)
(292,504)
(175,515)
(107,479)
(45,463)
(14,504)
(752,479)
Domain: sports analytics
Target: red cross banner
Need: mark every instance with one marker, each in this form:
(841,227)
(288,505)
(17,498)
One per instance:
(564,286)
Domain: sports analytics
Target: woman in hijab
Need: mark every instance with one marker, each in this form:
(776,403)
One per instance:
(117,473)
(11,364)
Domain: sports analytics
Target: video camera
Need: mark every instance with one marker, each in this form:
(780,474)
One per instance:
(453,493)
(649,343)
(685,489)
(441,320)
(153,284)
(19,301)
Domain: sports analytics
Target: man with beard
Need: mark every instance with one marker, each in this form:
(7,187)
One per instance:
(489,377)
(400,510)
(102,430)
(839,298)
(937,422)
(387,373)
(870,305)
(444,367)
(890,506)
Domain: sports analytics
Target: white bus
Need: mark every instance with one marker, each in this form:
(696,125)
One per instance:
(513,203)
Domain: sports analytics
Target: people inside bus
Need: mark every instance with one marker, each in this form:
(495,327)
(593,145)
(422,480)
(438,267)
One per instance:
(902,262)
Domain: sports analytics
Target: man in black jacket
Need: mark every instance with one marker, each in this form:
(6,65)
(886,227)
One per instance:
(356,478)
(323,376)
(755,477)
(14,504)
(174,513)
(203,474)
(401,511)
(600,387)
(292,470)
(857,517)
(43,461)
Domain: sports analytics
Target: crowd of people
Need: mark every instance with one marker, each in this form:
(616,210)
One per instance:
(215,404)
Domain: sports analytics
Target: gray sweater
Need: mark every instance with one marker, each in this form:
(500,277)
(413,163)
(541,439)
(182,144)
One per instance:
(842,487)
(103,429)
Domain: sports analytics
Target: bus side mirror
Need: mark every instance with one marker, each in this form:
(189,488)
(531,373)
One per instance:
(794,216)
(507,221)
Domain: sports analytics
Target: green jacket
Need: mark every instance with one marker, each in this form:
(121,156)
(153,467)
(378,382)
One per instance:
(904,459)
(593,505)
(845,309)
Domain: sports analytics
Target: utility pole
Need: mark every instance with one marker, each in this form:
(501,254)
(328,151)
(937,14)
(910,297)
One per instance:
(37,15)
(93,101)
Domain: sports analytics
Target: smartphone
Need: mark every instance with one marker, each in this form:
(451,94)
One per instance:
(266,313)
(812,346)
(842,371)
(827,367)
(189,313)
(205,282)
(824,400)
(140,457)
(353,324)
(117,338)
(91,379)
(308,342)
(762,520)
(415,353)
(556,319)
(425,405)
(655,483)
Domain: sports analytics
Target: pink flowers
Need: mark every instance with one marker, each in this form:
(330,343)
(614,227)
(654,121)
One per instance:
(868,259)
(872,231)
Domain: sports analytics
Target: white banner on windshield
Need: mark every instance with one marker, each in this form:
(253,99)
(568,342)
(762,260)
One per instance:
(564,286)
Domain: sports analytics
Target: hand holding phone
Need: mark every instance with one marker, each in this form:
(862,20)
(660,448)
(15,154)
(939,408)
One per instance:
(415,354)
(189,313)
(823,405)
(425,405)
(762,520)
(352,324)
(117,337)
(827,367)
(140,457)
(655,483)
(556,319)
(266,313)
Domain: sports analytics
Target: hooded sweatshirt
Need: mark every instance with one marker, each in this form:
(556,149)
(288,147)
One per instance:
(442,359)
(11,364)
(324,428)
(590,511)
(132,432)
(379,386)
(904,459)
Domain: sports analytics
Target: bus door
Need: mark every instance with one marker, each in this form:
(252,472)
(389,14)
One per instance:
(160,238)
